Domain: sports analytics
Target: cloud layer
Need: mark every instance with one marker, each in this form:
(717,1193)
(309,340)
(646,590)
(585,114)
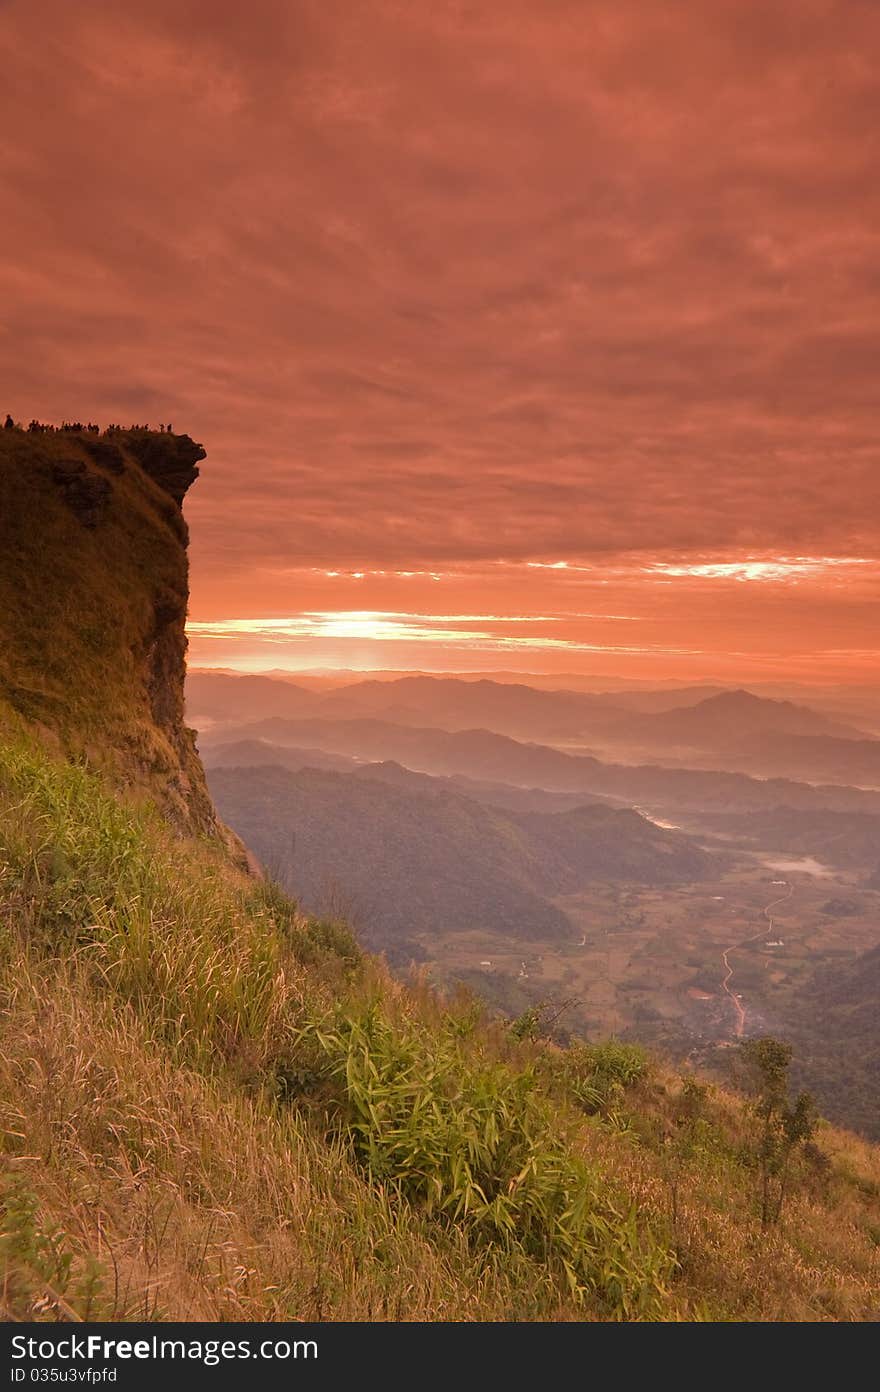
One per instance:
(447,287)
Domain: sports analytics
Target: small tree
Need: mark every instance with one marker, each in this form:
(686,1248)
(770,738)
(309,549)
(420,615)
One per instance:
(784,1128)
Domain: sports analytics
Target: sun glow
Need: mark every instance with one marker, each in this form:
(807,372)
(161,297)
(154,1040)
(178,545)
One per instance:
(368,625)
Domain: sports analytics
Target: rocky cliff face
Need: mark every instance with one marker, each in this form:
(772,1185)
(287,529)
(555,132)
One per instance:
(93,597)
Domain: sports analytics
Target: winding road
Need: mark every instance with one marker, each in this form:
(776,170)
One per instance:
(736,1000)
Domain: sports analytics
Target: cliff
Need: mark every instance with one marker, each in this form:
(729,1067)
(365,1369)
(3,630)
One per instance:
(93,599)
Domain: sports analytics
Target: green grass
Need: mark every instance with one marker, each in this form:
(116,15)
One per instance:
(201,956)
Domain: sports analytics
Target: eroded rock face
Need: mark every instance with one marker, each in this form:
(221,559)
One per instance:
(93,599)
(164,673)
(170,460)
(84,491)
(104,452)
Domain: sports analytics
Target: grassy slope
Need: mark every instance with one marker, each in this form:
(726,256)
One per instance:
(214,1108)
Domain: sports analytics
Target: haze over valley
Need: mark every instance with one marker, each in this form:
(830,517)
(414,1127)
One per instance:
(594,851)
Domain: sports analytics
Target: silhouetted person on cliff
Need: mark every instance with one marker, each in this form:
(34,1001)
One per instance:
(9,423)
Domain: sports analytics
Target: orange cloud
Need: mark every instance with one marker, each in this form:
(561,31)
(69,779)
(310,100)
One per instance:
(456,294)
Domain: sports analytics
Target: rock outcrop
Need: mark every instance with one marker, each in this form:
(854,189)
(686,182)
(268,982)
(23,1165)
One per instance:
(171,460)
(93,599)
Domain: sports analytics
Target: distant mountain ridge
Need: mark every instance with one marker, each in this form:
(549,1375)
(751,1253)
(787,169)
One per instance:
(506,707)
(732,730)
(258,753)
(739,715)
(254,753)
(484,755)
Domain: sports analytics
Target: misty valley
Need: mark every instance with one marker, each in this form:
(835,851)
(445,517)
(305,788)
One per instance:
(680,875)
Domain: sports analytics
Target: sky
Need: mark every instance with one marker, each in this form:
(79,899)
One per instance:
(537,336)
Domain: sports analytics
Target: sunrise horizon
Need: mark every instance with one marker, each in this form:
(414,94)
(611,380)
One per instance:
(647,619)
(518,337)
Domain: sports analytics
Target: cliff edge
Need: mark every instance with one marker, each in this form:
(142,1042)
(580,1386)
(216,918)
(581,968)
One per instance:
(93,598)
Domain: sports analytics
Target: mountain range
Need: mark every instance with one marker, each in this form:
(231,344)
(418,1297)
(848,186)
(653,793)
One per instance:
(485,755)
(728,730)
(509,707)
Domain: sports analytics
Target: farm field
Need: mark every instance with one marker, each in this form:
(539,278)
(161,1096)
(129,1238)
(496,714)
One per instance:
(647,964)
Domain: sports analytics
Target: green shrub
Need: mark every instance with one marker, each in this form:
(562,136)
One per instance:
(527,1026)
(596,1076)
(481,1146)
(39,1276)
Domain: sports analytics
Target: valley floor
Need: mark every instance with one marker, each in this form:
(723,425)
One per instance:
(647,964)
